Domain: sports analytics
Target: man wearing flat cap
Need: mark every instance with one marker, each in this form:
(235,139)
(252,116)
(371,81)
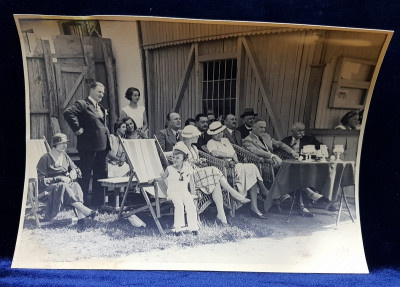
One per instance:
(87,118)
(247,118)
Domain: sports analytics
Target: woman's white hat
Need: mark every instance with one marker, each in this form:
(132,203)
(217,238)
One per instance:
(215,128)
(181,146)
(190,132)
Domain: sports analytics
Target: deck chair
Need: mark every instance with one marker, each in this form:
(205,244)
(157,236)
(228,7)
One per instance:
(145,163)
(35,148)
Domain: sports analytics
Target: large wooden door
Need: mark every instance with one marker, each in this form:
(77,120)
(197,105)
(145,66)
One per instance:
(57,80)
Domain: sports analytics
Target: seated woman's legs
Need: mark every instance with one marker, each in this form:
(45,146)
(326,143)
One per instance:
(235,194)
(253,196)
(219,202)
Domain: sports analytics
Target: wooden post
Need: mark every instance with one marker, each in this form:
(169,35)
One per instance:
(240,76)
(89,61)
(263,88)
(108,60)
(185,79)
(150,96)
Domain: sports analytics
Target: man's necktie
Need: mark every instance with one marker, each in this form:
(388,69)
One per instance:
(99,111)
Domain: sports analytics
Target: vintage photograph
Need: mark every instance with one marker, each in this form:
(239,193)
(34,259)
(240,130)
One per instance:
(177,144)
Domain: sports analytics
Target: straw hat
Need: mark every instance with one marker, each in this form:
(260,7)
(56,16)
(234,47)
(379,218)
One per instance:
(190,132)
(59,138)
(215,128)
(180,146)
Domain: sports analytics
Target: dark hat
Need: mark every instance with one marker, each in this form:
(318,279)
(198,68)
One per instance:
(248,112)
(59,138)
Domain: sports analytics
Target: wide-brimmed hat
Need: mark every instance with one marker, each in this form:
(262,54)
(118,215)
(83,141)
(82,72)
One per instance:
(215,128)
(59,138)
(190,132)
(248,112)
(181,146)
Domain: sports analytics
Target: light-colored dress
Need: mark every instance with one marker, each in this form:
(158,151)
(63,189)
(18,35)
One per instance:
(246,174)
(136,114)
(114,168)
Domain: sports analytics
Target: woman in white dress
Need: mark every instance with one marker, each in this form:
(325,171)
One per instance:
(137,113)
(248,177)
(208,179)
(116,159)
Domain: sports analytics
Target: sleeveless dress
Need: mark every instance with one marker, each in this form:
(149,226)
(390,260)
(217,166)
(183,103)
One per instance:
(135,114)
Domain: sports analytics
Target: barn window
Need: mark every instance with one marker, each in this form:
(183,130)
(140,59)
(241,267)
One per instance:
(89,28)
(219,86)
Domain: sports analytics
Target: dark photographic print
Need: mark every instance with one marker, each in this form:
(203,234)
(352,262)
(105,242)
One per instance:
(177,144)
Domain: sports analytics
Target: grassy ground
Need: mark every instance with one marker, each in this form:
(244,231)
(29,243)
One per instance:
(110,237)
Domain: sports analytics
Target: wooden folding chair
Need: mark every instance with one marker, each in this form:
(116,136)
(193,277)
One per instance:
(35,149)
(145,163)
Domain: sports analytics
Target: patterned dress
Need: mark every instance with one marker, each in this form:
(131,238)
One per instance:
(205,178)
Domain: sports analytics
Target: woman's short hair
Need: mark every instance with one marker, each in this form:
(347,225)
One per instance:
(127,119)
(129,93)
(345,119)
(117,125)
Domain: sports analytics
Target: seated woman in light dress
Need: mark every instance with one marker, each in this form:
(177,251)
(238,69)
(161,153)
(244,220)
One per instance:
(208,179)
(116,158)
(248,177)
(56,176)
(133,110)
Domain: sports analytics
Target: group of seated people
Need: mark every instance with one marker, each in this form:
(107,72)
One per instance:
(57,172)
(216,137)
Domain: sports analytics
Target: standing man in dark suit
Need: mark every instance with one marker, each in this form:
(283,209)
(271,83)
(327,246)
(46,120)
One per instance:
(170,136)
(231,133)
(87,118)
(248,118)
(299,138)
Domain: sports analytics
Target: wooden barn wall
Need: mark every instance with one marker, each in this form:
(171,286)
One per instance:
(360,46)
(154,32)
(285,61)
(166,68)
(39,98)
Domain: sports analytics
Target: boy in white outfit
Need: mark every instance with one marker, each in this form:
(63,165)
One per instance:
(179,177)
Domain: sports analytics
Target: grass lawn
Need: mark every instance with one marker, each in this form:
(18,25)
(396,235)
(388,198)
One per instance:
(109,237)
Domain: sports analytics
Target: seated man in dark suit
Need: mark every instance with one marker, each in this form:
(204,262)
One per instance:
(298,139)
(247,118)
(170,136)
(231,133)
(202,126)
(262,144)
